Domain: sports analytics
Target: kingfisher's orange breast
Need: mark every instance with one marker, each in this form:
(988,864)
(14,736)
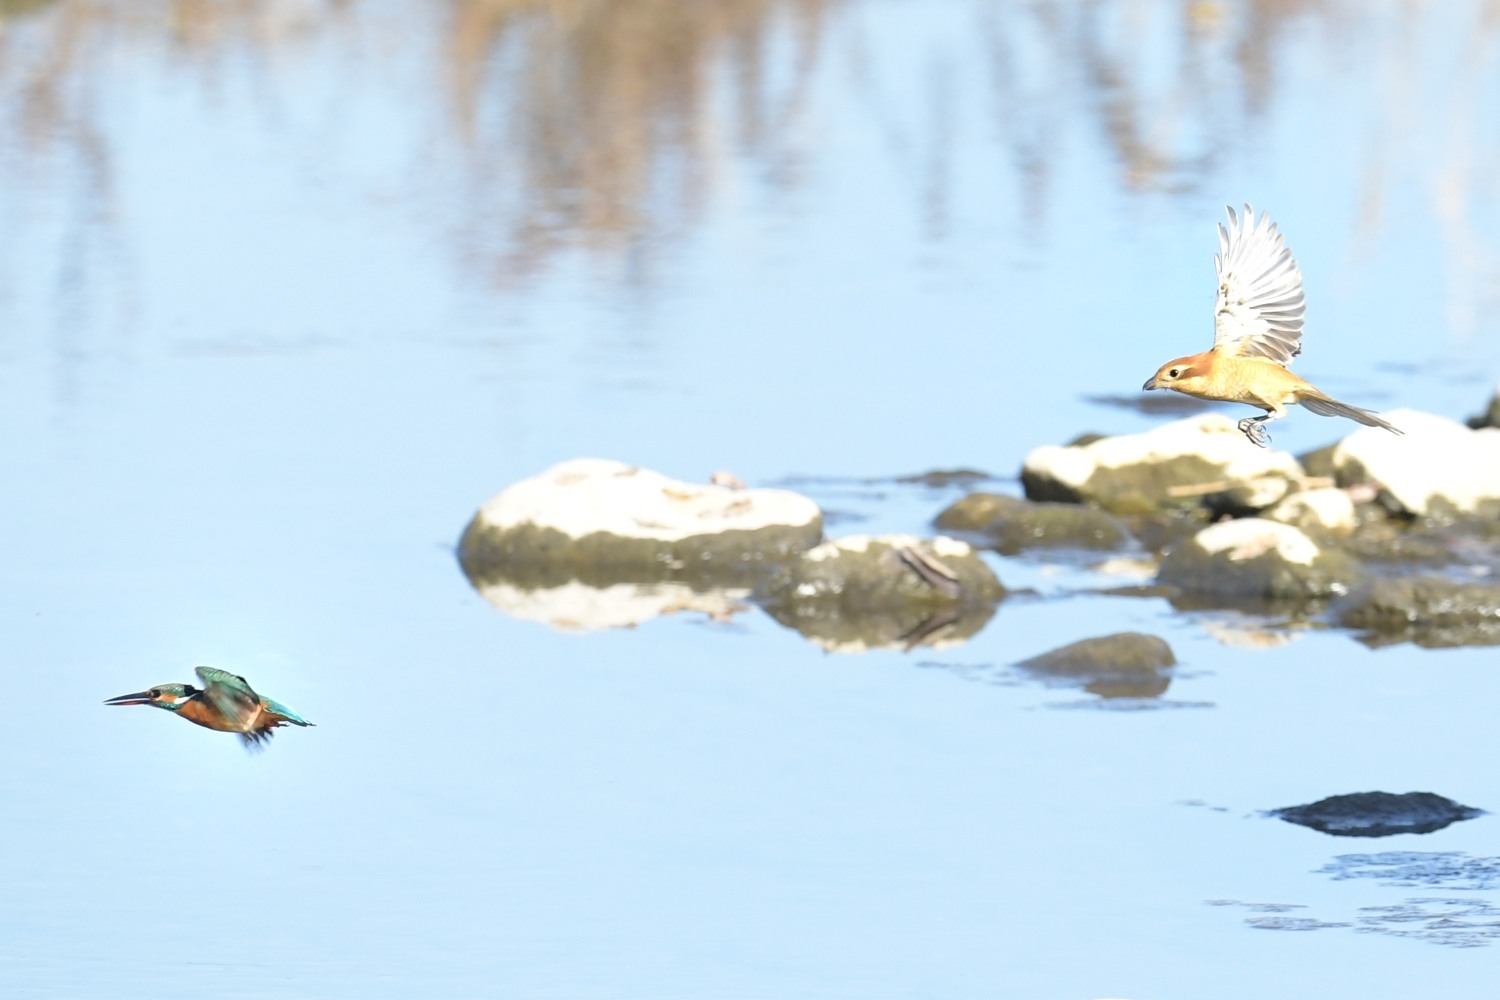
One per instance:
(210,718)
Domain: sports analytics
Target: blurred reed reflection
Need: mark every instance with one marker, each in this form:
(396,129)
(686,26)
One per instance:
(604,125)
(601,123)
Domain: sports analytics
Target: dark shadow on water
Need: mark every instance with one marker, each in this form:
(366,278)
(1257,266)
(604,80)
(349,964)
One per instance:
(1172,404)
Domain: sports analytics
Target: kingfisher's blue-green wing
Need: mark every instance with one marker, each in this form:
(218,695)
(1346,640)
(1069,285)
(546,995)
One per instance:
(229,693)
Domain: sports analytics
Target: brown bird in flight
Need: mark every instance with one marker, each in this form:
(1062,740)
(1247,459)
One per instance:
(1257,331)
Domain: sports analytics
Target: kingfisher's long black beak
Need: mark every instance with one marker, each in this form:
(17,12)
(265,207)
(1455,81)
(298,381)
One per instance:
(139,698)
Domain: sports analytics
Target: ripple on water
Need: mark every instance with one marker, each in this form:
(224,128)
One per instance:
(1463,922)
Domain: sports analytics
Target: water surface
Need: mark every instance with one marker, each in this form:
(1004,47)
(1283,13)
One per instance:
(288,289)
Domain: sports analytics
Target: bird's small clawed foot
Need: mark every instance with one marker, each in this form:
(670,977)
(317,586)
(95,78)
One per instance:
(1255,430)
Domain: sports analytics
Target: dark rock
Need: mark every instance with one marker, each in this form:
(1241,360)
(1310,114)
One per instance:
(1378,814)
(1123,665)
(1428,610)
(1490,417)
(1319,461)
(1159,532)
(1009,524)
(1396,543)
(1255,559)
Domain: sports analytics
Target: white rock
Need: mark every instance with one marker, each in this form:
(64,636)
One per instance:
(1437,466)
(1249,537)
(1267,474)
(1330,509)
(588,495)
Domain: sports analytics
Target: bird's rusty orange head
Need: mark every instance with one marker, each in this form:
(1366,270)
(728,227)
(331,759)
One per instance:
(1181,373)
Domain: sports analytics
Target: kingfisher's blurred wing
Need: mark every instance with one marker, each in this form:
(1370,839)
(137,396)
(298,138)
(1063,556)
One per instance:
(229,693)
(1259,313)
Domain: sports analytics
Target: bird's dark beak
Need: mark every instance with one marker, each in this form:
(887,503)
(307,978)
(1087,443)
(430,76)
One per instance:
(1151,383)
(139,698)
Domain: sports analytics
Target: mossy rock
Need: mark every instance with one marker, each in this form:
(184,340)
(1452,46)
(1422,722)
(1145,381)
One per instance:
(1009,525)
(1428,610)
(1259,560)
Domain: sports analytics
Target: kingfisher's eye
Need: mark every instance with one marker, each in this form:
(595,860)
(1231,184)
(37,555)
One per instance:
(1172,373)
(154,693)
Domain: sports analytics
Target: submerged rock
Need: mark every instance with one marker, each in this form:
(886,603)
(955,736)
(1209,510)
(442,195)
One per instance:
(1378,814)
(604,522)
(1180,464)
(863,592)
(1123,665)
(1439,468)
(1428,610)
(1010,524)
(1257,559)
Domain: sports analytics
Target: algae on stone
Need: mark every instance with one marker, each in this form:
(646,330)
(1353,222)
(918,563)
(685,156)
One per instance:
(1009,524)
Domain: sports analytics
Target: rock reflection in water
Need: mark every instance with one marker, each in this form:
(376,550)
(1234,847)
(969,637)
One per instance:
(578,607)
(888,591)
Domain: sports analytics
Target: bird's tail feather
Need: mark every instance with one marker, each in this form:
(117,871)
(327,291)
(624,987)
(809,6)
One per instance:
(1327,406)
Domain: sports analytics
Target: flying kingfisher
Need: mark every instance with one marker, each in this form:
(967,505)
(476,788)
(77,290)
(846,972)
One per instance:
(226,703)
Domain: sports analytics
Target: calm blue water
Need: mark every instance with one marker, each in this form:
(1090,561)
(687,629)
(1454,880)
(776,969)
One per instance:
(285,296)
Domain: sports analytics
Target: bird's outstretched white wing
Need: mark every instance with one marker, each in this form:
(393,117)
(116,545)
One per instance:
(1259,313)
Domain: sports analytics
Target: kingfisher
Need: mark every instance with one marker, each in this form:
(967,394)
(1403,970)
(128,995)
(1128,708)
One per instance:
(226,703)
